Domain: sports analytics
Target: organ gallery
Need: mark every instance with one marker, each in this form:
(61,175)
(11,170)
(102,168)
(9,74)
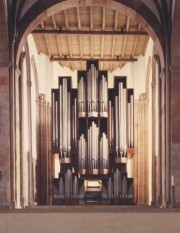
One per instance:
(93,139)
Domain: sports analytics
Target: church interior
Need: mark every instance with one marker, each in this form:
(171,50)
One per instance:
(89,103)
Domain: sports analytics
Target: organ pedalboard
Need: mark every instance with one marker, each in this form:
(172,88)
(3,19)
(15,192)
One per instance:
(93,133)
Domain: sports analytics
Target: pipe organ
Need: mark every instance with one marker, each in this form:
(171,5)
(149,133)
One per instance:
(93,133)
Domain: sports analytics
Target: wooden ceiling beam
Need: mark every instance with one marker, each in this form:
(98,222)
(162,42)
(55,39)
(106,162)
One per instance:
(69,46)
(91,18)
(46,41)
(78,18)
(125,37)
(116,21)
(135,43)
(102,46)
(118,59)
(80,46)
(59,46)
(104,19)
(54,22)
(85,32)
(113,48)
(113,45)
(91,42)
(66,19)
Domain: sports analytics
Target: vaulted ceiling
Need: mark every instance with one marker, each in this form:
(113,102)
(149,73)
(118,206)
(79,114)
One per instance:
(75,35)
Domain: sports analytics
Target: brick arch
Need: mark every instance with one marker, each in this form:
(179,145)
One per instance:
(135,9)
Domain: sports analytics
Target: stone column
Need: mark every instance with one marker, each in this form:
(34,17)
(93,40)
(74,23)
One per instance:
(12,122)
(22,151)
(154,128)
(163,140)
(17,139)
(142,151)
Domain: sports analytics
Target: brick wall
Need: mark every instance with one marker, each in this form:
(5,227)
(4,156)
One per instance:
(4,138)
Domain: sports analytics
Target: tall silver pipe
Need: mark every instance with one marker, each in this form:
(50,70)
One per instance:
(75,122)
(117,124)
(125,123)
(56,127)
(122,122)
(129,124)
(65,117)
(60,120)
(119,118)
(132,120)
(68,124)
(110,124)
(53,119)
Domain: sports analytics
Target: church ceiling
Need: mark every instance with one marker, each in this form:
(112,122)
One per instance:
(77,34)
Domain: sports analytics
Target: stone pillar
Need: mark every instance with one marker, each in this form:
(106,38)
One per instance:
(154,127)
(142,151)
(163,139)
(12,122)
(17,140)
(22,151)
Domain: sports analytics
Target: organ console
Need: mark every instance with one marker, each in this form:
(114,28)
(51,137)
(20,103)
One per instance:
(93,133)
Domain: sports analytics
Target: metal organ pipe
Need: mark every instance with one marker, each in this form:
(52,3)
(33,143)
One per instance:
(121,121)
(60,120)
(117,124)
(64,125)
(54,119)
(82,152)
(75,122)
(92,90)
(69,124)
(104,152)
(103,95)
(132,120)
(56,127)
(129,124)
(125,123)
(81,96)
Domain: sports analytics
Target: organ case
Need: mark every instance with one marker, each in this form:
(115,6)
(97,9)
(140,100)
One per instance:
(93,132)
